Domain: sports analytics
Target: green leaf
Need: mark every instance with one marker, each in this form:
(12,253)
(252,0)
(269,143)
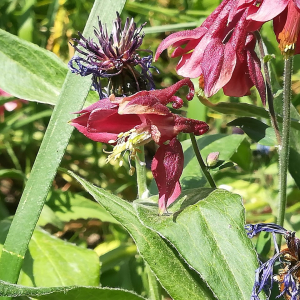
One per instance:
(227,145)
(12,173)
(40,73)
(238,109)
(70,206)
(49,217)
(174,275)
(210,236)
(28,71)
(66,263)
(256,130)
(66,293)
(246,110)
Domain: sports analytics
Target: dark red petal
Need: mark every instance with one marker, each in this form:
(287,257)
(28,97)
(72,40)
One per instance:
(103,104)
(165,95)
(218,65)
(180,38)
(167,166)
(256,75)
(142,103)
(103,137)
(187,125)
(162,128)
(111,121)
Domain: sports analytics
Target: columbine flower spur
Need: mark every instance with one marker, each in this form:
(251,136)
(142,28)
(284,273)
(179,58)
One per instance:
(288,276)
(114,57)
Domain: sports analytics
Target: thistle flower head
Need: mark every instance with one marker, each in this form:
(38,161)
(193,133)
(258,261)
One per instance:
(114,55)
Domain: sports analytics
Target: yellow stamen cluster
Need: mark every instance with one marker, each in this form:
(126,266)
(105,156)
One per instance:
(128,141)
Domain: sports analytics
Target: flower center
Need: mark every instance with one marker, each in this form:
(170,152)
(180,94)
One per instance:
(289,34)
(128,141)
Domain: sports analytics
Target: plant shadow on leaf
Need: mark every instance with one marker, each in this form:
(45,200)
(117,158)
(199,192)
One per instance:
(186,199)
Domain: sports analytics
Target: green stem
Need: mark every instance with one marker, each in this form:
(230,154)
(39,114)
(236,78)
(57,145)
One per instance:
(201,162)
(141,174)
(270,98)
(284,149)
(143,193)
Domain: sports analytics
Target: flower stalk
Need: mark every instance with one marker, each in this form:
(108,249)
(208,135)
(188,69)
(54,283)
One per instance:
(141,174)
(201,162)
(284,148)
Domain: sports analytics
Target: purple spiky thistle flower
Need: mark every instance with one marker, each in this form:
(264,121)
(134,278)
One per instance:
(114,57)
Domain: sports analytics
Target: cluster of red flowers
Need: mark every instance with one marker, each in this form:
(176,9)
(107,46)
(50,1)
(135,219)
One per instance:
(221,52)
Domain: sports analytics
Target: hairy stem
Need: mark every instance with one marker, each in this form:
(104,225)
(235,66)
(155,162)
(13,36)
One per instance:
(201,162)
(284,148)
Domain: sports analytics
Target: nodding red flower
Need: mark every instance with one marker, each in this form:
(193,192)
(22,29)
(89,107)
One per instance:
(134,121)
(220,51)
(286,21)
(288,277)
(114,57)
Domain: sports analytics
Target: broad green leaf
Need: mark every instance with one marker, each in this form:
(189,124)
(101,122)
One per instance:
(227,145)
(50,261)
(210,236)
(28,71)
(70,206)
(256,130)
(53,262)
(174,275)
(238,109)
(40,73)
(48,216)
(246,110)
(66,293)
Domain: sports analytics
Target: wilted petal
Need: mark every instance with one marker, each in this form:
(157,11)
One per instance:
(254,229)
(167,166)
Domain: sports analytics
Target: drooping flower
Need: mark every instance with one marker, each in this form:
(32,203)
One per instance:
(133,121)
(220,51)
(286,20)
(288,277)
(114,57)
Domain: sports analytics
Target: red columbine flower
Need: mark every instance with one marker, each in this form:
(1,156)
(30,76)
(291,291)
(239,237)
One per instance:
(286,21)
(134,121)
(220,51)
